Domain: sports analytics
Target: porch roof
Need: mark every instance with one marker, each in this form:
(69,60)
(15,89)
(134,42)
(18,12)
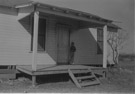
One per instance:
(64,12)
(71,12)
(75,14)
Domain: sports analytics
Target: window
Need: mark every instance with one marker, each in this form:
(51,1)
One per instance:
(99,41)
(41,34)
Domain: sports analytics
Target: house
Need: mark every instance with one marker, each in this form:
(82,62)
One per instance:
(35,34)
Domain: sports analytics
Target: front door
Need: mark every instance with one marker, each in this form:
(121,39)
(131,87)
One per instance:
(62,44)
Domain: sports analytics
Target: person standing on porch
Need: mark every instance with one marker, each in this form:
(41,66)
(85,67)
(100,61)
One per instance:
(72,53)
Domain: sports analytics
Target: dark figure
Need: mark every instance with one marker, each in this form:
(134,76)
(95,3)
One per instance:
(72,53)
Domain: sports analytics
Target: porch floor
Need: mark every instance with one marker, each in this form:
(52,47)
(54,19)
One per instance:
(53,69)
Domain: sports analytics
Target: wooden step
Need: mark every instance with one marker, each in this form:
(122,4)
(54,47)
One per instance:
(74,79)
(85,77)
(80,71)
(88,83)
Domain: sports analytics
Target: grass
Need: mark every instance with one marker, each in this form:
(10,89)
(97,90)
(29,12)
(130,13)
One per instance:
(121,81)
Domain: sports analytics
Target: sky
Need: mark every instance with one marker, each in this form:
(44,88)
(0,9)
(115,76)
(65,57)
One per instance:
(120,11)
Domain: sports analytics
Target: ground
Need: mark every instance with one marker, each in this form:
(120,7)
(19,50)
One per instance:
(118,81)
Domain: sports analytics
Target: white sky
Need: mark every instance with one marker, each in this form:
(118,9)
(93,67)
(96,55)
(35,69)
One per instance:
(117,10)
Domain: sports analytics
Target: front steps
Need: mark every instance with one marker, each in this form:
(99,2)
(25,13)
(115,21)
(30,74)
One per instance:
(83,78)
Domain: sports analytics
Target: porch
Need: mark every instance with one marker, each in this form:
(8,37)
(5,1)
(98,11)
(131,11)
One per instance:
(61,24)
(58,69)
(52,29)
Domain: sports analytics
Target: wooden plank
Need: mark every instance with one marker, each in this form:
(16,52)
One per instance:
(55,67)
(64,67)
(73,78)
(49,72)
(92,73)
(96,79)
(35,40)
(8,76)
(85,77)
(24,70)
(7,71)
(97,68)
(87,83)
(80,71)
(99,72)
(105,47)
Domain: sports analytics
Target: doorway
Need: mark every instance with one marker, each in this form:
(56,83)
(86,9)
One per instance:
(63,37)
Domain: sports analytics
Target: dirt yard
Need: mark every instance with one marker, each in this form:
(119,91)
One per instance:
(119,81)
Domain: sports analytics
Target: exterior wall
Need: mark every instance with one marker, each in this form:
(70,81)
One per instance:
(51,50)
(49,56)
(15,41)
(99,56)
(86,45)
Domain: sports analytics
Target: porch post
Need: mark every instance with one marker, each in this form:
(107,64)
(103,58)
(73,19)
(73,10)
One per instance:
(105,46)
(35,40)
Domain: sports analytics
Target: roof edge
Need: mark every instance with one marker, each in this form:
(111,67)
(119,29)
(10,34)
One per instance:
(62,8)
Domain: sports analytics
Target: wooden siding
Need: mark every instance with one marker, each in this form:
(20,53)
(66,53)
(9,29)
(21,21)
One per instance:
(15,42)
(99,56)
(86,46)
(51,43)
(49,57)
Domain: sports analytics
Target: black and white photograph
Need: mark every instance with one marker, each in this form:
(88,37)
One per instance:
(67,46)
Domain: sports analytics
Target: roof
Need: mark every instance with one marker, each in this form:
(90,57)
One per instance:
(84,14)
(25,3)
(114,26)
(12,3)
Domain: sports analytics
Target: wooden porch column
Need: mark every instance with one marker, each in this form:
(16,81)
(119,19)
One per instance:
(35,40)
(105,46)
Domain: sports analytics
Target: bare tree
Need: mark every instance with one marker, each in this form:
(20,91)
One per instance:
(116,41)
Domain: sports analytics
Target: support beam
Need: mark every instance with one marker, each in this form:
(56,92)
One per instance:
(33,81)
(105,47)
(35,41)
